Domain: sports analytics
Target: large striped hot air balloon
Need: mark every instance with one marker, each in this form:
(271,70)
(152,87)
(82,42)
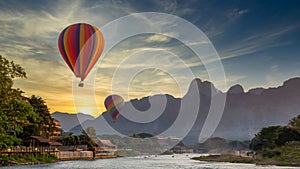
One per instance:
(81,45)
(114,105)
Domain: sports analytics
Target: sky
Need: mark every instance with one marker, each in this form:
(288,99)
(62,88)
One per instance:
(257,41)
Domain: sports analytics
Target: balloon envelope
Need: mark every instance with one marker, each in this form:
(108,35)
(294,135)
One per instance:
(114,105)
(81,45)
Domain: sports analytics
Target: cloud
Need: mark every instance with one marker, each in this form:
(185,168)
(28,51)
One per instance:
(157,38)
(243,11)
(256,43)
(29,37)
(168,5)
(27,22)
(220,22)
(237,13)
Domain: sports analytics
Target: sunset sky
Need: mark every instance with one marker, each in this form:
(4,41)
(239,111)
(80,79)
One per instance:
(258,42)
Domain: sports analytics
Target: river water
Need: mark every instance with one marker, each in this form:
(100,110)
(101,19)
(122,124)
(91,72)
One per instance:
(181,161)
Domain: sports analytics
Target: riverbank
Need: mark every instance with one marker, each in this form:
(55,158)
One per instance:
(151,162)
(240,159)
(19,159)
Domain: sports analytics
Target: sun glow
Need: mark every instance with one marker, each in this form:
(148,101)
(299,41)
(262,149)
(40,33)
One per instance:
(85,110)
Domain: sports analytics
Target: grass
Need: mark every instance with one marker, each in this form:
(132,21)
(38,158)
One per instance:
(288,155)
(24,159)
(225,158)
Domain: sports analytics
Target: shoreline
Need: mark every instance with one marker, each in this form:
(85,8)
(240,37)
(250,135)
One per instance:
(51,160)
(229,158)
(246,160)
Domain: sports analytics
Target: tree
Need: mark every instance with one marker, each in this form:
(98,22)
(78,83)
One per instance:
(44,124)
(276,136)
(266,138)
(70,139)
(8,72)
(89,137)
(287,134)
(295,122)
(91,132)
(14,111)
(17,112)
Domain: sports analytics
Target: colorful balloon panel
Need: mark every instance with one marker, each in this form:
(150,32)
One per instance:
(114,105)
(81,45)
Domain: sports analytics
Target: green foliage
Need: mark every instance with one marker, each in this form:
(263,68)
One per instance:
(295,122)
(91,132)
(8,72)
(42,124)
(19,116)
(16,114)
(275,145)
(8,141)
(135,135)
(220,145)
(67,139)
(289,154)
(225,158)
(276,136)
(88,137)
(14,111)
(28,158)
(142,135)
(270,153)
(266,138)
(287,134)
(278,145)
(168,152)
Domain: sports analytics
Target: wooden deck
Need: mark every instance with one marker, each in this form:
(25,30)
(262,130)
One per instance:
(61,155)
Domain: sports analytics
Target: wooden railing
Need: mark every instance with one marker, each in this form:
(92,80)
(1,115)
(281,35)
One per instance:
(29,150)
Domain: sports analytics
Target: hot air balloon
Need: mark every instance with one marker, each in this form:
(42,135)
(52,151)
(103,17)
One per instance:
(114,105)
(81,45)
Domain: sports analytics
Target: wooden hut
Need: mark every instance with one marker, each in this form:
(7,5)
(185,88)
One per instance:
(40,143)
(105,149)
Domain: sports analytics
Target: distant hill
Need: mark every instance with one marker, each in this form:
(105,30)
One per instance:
(244,115)
(68,121)
(220,145)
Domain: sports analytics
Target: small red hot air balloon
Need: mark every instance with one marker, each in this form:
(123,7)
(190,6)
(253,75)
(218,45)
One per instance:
(114,105)
(81,45)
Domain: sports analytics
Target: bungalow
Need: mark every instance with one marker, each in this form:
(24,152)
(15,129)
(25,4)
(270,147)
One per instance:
(105,149)
(39,142)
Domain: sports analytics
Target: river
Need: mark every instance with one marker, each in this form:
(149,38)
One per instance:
(181,161)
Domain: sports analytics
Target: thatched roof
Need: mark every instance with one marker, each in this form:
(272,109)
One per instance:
(40,139)
(105,143)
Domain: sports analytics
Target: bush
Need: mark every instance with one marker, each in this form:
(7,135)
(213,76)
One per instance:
(270,153)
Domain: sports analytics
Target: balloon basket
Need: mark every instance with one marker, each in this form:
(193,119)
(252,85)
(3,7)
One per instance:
(81,84)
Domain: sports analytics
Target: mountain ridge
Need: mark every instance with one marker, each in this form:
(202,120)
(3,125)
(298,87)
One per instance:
(68,121)
(245,113)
